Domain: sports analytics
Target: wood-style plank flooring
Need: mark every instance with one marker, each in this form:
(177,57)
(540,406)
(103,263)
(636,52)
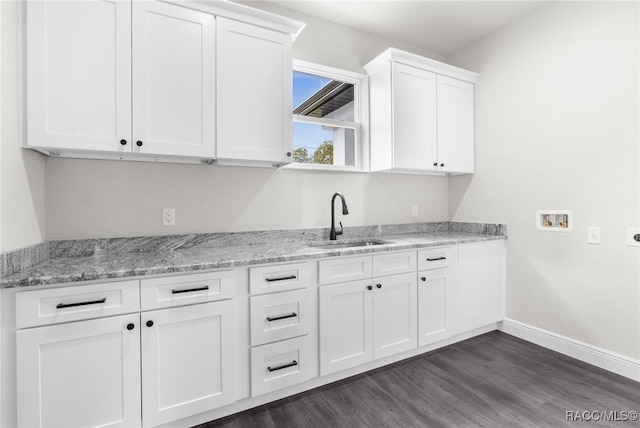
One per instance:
(493,380)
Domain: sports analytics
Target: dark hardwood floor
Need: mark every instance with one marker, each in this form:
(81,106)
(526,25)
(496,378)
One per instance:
(493,380)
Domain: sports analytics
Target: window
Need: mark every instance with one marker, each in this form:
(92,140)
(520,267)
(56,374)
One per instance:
(328,128)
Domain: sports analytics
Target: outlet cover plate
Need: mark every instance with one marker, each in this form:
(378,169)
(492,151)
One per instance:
(593,235)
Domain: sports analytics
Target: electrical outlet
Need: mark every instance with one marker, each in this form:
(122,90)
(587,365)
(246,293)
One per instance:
(414,210)
(633,237)
(593,235)
(168,217)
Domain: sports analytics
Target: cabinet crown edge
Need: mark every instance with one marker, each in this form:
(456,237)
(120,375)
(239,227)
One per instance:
(414,60)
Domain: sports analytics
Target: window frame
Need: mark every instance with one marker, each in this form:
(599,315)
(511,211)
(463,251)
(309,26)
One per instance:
(360,125)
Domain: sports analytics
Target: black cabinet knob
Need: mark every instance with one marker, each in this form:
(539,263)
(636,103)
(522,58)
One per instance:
(149,323)
(139,143)
(369,287)
(379,285)
(131,326)
(424,278)
(123,142)
(435,164)
(441,164)
(288,154)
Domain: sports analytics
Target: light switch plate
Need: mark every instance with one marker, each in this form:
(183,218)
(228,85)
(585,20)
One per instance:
(593,235)
(633,237)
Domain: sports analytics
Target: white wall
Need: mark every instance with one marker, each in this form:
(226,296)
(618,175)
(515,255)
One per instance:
(22,206)
(87,199)
(557,128)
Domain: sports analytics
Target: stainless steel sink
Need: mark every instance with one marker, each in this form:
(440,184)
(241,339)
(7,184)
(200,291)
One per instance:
(349,244)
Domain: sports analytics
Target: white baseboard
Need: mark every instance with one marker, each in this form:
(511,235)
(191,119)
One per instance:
(599,357)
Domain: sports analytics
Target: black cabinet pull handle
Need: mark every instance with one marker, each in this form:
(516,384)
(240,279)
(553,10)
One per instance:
(379,285)
(284,366)
(189,290)
(149,323)
(139,143)
(71,305)
(281,317)
(369,287)
(131,326)
(123,142)
(284,278)
(436,259)
(424,278)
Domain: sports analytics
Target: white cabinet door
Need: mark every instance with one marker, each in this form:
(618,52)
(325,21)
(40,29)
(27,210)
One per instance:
(79,75)
(482,283)
(173,80)
(455,125)
(254,93)
(80,374)
(414,118)
(437,304)
(345,325)
(395,318)
(188,361)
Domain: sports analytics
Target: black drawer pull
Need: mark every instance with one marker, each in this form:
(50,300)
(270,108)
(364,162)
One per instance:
(189,290)
(71,305)
(281,317)
(439,258)
(284,366)
(284,278)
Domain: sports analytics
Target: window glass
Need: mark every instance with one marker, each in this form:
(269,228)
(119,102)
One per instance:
(325,120)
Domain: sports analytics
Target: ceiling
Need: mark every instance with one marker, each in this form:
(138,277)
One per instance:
(442,27)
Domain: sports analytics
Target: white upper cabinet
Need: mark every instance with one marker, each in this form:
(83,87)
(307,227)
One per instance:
(79,75)
(421,115)
(254,93)
(141,80)
(173,80)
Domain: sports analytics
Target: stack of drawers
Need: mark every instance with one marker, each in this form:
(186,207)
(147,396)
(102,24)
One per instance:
(280,320)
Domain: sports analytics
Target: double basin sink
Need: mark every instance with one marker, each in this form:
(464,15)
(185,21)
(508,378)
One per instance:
(352,244)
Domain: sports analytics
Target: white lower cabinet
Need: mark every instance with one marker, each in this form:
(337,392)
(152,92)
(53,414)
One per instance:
(365,320)
(482,283)
(279,364)
(437,294)
(188,361)
(80,374)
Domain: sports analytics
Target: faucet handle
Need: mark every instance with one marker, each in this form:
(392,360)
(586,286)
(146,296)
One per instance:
(341,230)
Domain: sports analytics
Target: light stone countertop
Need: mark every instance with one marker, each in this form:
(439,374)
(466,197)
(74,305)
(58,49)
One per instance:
(124,265)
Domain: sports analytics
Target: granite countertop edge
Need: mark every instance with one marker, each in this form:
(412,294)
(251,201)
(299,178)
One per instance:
(66,270)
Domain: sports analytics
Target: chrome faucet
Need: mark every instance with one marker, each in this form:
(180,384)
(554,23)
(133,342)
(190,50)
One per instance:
(333,233)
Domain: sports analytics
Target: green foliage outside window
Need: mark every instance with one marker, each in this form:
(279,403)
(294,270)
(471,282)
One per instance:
(322,155)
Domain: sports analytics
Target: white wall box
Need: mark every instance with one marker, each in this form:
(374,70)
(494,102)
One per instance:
(188,361)
(280,364)
(137,80)
(437,294)
(482,283)
(422,118)
(84,373)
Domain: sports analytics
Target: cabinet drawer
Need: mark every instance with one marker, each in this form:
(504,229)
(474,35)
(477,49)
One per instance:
(181,290)
(344,269)
(278,365)
(41,307)
(394,263)
(279,316)
(269,279)
(437,257)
